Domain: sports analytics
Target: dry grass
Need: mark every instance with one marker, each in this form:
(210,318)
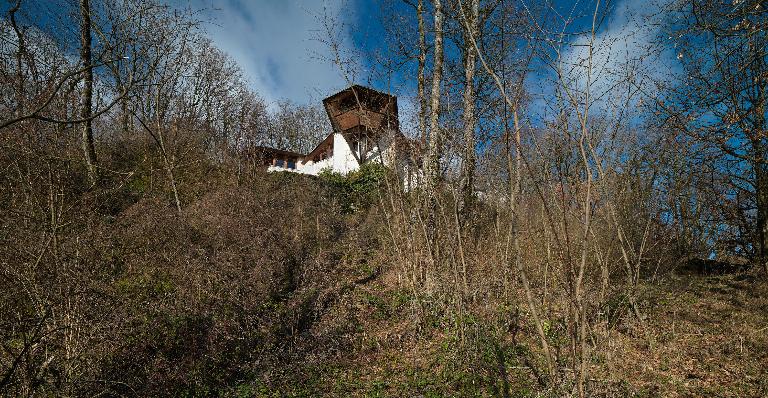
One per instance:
(704,336)
(701,337)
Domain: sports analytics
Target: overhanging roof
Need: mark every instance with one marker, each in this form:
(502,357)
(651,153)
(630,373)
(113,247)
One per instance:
(326,141)
(359,91)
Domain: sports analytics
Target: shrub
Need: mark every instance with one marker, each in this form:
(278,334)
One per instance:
(358,189)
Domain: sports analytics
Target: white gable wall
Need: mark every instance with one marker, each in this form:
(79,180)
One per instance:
(344,159)
(314,168)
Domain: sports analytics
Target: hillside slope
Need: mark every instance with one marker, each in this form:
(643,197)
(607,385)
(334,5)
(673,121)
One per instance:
(701,336)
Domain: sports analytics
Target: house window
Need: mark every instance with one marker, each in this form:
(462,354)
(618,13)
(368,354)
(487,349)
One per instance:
(291,163)
(279,162)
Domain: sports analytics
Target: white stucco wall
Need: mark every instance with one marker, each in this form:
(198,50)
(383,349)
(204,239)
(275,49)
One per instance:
(314,168)
(344,160)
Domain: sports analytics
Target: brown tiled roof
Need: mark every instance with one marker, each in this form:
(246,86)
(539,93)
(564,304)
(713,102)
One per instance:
(320,146)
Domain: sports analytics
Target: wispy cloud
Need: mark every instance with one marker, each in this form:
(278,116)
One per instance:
(275,42)
(628,48)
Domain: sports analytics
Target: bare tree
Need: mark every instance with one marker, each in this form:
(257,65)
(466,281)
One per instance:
(722,100)
(471,28)
(86,111)
(421,74)
(432,160)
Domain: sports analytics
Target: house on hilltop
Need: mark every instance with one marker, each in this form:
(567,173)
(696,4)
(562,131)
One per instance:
(365,129)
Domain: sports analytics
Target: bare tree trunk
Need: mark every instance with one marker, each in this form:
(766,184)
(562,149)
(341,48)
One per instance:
(125,115)
(580,313)
(86,110)
(169,160)
(170,165)
(421,78)
(432,164)
(760,147)
(19,59)
(761,191)
(514,193)
(470,119)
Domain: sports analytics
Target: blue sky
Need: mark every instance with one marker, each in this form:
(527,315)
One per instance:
(279,43)
(276,42)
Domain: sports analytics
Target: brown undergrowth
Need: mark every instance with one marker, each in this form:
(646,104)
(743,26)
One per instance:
(281,285)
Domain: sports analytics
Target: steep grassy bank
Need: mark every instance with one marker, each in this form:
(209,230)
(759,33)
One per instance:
(283,285)
(701,336)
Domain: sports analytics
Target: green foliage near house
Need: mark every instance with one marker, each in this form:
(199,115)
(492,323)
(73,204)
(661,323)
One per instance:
(358,189)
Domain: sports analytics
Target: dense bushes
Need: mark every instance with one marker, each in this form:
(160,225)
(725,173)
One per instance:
(358,189)
(129,298)
(279,285)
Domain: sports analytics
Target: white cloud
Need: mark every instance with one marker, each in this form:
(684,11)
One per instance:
(629,46)
(275,43)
